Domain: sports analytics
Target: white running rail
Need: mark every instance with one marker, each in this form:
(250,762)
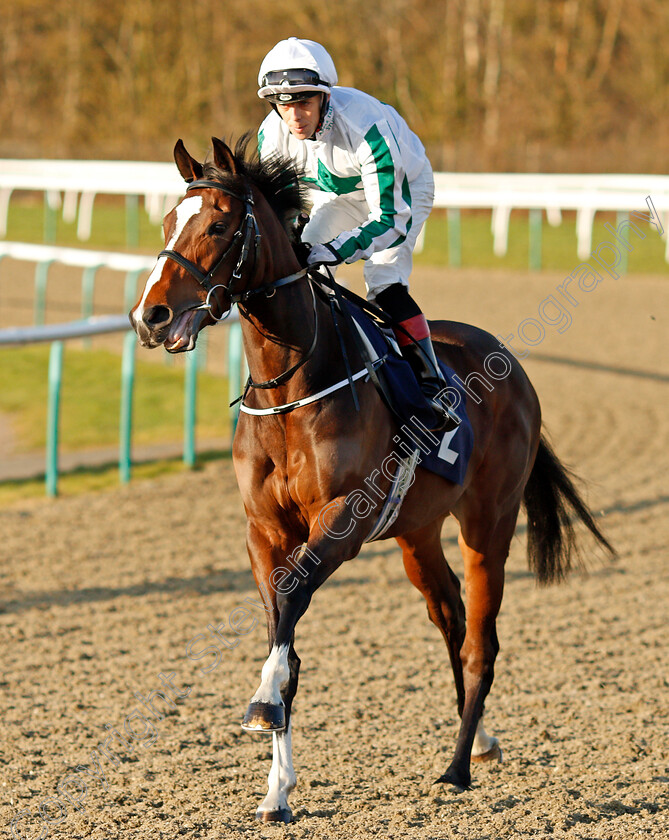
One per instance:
(73,186)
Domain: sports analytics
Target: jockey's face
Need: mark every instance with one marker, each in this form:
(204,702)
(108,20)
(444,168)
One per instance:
(302,117)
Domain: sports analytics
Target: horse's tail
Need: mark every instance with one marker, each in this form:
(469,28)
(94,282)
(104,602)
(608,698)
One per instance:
(552,504)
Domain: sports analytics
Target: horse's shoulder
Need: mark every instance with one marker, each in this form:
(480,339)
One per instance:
(256,445)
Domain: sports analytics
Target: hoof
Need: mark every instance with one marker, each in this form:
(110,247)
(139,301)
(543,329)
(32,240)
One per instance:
(264,717)
(460,781)
(282,815)
(493,754)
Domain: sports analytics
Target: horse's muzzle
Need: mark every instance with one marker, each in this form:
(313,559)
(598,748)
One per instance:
(152,326)
(161,325)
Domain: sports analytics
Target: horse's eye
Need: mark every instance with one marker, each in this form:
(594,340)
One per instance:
(217,229)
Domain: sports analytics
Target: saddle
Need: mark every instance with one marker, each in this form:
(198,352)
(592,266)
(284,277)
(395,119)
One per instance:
(444,453)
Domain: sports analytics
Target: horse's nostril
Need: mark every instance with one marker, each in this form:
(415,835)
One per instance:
(158,316)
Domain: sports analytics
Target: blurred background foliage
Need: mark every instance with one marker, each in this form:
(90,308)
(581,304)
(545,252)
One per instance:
(530,85)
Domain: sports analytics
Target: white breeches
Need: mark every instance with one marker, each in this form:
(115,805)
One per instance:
(332,214)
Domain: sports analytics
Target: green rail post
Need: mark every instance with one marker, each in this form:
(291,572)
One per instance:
(454,237)
(190,408)
(41,277)
(202,347)
(535,222)
(623,216)
(53,417)
(127,388)
(234,369)
(50,221)
(130,288)
(132,221)
(88,290)
(234,360)
(87,294)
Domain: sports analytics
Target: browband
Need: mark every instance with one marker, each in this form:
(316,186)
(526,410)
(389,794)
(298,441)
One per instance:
(205,184)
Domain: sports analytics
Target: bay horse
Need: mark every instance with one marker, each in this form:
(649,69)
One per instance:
(299,455)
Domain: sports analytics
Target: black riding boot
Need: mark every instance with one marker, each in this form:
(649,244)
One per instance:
(413,337)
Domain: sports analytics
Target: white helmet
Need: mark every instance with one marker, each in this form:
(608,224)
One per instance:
(294,69)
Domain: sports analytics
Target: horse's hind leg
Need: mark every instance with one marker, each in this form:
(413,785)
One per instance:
(427,569)
(484,551)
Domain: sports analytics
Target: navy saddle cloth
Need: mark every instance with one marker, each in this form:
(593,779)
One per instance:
(444,453)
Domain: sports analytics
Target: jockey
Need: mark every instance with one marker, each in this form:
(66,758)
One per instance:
(370,182)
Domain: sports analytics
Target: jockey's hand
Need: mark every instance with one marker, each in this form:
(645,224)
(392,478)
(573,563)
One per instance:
(323,255)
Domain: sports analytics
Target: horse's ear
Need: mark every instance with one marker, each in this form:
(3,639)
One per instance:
(190,169)
(223,157)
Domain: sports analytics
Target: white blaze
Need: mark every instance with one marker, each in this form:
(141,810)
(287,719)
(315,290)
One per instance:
(185,211)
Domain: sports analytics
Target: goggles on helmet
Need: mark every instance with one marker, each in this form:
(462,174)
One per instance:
(301,76)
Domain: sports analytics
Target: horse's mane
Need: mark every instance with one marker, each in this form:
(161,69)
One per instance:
(277,178)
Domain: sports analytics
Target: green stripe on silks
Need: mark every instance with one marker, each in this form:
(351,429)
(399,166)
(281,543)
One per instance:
(261,138)
(406,195)
(385,169)
(338,184)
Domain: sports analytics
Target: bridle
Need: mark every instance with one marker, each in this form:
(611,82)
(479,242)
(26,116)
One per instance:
(247,234)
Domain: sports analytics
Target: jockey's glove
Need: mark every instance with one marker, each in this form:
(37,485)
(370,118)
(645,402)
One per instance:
(323,255)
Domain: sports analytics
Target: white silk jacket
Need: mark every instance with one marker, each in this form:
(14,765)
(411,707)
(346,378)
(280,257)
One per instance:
(364,154)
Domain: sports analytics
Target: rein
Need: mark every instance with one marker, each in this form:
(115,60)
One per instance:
(285,376)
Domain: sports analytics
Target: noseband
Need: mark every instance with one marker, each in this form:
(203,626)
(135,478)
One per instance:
(247,234)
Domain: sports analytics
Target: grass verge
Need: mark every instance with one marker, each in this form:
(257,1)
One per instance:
(96,479)
(91,395)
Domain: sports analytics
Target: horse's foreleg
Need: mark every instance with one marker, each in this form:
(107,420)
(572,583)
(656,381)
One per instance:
(276,694)
(280,781)
(267,712)
(270,708)
(310,564)
(484,557)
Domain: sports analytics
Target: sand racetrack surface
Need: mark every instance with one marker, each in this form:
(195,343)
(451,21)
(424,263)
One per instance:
(101,594)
